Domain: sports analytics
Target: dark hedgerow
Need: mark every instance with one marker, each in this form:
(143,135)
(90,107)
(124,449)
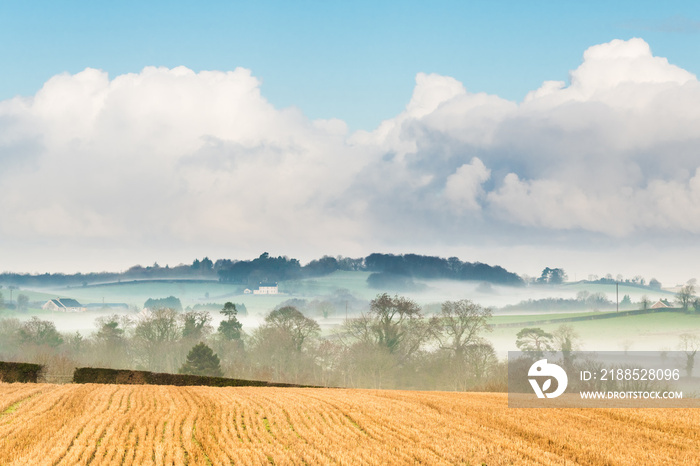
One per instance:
(21,372)
(117,376)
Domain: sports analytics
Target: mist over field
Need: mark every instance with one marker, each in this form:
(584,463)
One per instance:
(383,321)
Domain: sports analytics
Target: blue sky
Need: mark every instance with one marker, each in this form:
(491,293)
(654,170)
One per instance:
(350,60)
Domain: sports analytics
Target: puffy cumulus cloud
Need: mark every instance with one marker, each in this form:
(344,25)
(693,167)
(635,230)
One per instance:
(662,206)
(613,152)
(464,187)
(609,71)
(172,154)
(176,157)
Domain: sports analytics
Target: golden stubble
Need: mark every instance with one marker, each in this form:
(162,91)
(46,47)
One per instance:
(163,425)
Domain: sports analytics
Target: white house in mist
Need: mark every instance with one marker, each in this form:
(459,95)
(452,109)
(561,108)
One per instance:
(267,288)
(63,305)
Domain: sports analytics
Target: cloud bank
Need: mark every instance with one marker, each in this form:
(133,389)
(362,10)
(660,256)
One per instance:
(173,158)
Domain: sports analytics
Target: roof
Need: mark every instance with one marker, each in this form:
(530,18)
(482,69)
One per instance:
(66,302)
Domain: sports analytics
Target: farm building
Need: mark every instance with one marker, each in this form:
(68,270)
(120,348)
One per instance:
(63,305)
(266,288)
(659,305)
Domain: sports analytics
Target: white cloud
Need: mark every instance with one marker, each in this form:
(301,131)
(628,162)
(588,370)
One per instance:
(619,73)
(203,158)
(590,156)
(189,156)
(463,188)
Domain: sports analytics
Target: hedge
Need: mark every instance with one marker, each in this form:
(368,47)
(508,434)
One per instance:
(20,372)
(127,377)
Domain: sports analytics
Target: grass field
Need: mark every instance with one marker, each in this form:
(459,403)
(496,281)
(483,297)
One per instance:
(434,292)
(637,332)
(128,424)
(136,293)
(512,319)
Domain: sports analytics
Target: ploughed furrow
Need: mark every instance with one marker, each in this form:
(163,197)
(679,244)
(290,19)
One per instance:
(166,425)
(359,443)
(173,452)
(546,435)
(294,434)
(193,451)
(481,420)
(465,437)
(108,447)
(234,427)
(289,433)
(207,424)
(380,420)
(13,394)
(26,432)
(93,422)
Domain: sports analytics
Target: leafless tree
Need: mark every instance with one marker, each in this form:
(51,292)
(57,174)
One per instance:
(689,343)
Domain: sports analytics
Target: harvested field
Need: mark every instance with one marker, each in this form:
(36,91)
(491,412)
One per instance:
(140,424)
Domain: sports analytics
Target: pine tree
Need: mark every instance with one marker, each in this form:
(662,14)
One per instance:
(201,360)
(230,328)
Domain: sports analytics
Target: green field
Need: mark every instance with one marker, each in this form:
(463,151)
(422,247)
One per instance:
(135,294)
(511,319)
(638,332)
(635,292)
(354,282)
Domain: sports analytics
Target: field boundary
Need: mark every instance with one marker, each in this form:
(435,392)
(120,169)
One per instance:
(605,315)
(21,372)
(147,280)
(98,375)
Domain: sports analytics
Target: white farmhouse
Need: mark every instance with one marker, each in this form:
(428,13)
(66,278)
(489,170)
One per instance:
(63,305)
(267,288)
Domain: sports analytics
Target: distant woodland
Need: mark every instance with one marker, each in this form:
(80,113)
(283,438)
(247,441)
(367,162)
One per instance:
(266,268)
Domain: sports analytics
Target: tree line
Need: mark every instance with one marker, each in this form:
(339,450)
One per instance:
(274,269)
(392,345)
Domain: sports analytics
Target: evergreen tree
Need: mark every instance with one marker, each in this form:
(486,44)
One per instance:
(201,360)
(230,328)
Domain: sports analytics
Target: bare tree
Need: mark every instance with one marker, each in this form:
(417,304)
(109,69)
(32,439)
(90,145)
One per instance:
(22,302)
(645,302)
(689,343)
(685,296)
(566,340)
(293,323)
(460,324)
(110,342)
(154,337)
(381,343)
(395,321)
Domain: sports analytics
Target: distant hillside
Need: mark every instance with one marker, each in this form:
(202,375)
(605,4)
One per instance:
(266,268)
(431,267)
